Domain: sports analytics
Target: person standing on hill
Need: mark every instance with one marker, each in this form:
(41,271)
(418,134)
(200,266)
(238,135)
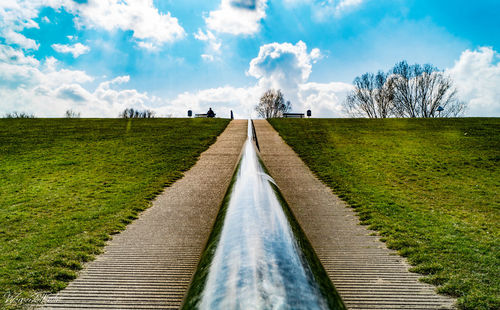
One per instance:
(210,113)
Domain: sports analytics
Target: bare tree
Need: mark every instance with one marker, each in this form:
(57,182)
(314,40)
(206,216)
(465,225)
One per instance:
(19,115)
(131,113)
(71,114)
(406,91)
(272,104)
(372,96)
(420,90)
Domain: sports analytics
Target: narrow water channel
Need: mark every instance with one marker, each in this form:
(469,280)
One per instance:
(257,256)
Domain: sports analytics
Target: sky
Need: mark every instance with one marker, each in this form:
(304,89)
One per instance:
(98,57)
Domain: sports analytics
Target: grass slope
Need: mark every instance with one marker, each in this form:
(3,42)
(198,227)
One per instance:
(429,186)
(67,184)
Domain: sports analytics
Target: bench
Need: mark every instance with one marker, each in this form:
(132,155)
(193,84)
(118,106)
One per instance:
(293,115)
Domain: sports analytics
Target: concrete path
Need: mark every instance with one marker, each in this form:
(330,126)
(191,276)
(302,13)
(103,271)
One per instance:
(366,274)
(150,264)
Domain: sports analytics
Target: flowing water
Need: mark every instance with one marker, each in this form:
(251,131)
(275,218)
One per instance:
(257,256)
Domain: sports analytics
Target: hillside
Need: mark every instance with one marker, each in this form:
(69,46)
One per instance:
(430,187)
(66,185)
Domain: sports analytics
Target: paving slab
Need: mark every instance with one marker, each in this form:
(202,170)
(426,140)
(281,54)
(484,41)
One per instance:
(150,264)
(366,273)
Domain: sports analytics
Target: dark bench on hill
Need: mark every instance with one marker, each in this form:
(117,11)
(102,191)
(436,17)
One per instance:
(293,115)
(203,115)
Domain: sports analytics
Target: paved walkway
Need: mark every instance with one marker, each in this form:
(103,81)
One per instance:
(366,274)
(150,264)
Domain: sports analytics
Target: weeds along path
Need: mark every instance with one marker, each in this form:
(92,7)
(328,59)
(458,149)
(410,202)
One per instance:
(150,264)
(366,273)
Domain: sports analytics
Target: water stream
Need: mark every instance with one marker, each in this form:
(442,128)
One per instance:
(257,257)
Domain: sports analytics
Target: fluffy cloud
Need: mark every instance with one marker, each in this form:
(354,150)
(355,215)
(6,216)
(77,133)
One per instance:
(477,77)
(76,49)
(234,17)
(343,5)
(43,88)
(324,99)
(150,27)
(283,66)
(18,39)
(287,67)
(237,17)
(213,44)
(16,16)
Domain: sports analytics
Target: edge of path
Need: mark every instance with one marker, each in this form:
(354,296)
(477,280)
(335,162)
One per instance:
(150,264)
(365,272)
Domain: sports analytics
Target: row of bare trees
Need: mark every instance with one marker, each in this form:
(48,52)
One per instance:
(19,115)
(127,113)
(405,91)
(132,113)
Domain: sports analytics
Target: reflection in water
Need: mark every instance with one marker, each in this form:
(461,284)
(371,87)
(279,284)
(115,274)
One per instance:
(256,261)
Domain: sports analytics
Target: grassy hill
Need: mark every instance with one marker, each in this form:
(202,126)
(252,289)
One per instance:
(66,185)
(430,187)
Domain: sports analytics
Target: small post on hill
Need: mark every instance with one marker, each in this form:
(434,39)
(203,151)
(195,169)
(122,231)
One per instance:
(439,109)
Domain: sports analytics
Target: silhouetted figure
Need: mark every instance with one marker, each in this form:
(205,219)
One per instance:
(232,116)
(210,113)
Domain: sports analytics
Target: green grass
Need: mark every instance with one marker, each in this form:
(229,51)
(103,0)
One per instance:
(430,187)
(66,185)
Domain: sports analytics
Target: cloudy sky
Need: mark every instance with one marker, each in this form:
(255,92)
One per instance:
(98,57)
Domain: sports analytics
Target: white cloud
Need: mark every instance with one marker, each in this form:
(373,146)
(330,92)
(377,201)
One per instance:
(151,28)
(213,49)
(343,5)
(237,17)
(16,38)
(76,49)
(477,78)
(17,15)
(45,89)
(287,67)
(9,54)
(283,65)
(324,99)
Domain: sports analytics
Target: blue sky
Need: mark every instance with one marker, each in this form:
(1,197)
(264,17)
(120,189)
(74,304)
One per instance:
(98,57)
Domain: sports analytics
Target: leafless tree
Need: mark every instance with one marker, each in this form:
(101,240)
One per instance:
(372,96)
(272,104)
(406,91)
(420,90)
(19,115)
(131,113)
(71,114)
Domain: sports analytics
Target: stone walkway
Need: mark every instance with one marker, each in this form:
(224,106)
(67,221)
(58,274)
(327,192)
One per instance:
(150,264)
(366,273)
